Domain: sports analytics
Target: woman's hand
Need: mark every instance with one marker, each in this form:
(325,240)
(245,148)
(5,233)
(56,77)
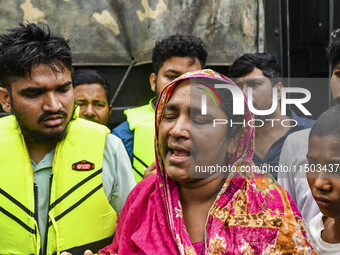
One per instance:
(87,252)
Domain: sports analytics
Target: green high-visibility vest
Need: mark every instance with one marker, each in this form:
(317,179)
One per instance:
(142,121)
(79,216)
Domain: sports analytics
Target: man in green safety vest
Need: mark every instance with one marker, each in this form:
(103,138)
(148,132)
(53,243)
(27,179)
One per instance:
(171,57)
(60,188)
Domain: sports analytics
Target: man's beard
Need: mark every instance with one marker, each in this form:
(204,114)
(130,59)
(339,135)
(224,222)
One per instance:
(38,136)
(41,137)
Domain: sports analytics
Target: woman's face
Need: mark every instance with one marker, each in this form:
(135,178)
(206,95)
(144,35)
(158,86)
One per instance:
(188,140)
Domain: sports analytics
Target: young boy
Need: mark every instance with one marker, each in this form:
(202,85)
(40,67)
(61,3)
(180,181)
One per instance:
(323,176)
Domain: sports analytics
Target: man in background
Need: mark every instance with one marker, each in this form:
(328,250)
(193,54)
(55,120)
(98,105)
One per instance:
(261,73)
(171,57)
(91,92)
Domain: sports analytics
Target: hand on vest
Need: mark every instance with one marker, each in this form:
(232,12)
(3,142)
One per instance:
(87,252)
(152,169)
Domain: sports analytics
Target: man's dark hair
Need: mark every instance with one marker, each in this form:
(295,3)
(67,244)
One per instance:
(88,76)
(179,46)
(28,45)
(327,124)
(333,49)
(263,61)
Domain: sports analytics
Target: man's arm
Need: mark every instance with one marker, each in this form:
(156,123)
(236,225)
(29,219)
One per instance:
(124,132)
(118,179)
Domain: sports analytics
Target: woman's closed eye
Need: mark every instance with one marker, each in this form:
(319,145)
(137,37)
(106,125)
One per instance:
(170,116)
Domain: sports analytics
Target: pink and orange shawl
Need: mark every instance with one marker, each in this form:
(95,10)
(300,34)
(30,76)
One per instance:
(252,214)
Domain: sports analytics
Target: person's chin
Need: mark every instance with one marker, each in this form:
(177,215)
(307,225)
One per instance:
(177,173)
(52,134)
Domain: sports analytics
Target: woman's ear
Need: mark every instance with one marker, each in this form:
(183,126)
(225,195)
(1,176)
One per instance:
(5,100)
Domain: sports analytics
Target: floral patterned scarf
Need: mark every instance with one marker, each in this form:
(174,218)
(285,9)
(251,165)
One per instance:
(252,214)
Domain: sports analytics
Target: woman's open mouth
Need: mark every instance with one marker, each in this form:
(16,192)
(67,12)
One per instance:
(178,154)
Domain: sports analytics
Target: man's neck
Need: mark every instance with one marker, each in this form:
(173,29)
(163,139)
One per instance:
(270,132)
(37,151)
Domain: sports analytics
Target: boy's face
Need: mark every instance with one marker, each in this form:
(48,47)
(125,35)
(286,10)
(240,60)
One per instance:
(323,173)
(172,68)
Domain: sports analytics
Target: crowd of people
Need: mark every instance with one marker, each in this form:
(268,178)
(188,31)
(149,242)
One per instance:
(71,186)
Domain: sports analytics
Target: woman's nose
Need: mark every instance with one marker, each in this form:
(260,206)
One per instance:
(181,128)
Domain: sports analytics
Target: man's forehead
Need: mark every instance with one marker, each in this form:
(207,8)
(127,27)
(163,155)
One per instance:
(243,79)
(180,64)
(56,67)
(255,73)
(43,77)
(91,87)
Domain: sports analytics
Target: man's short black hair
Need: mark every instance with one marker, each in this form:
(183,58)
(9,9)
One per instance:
(88,76)
(179,46)
(28,45)
(327,124)
(263,61)
(333,49)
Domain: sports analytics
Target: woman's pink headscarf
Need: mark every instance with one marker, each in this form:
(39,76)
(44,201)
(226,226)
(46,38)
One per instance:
(252,214)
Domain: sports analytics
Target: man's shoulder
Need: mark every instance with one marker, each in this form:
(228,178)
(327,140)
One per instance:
(298,136)
(137,109)
(124,133)
(302,121)
(8,123)
(80,123)
(113,146)
(141,114)
(122,130)
(113,138)
(146,108)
